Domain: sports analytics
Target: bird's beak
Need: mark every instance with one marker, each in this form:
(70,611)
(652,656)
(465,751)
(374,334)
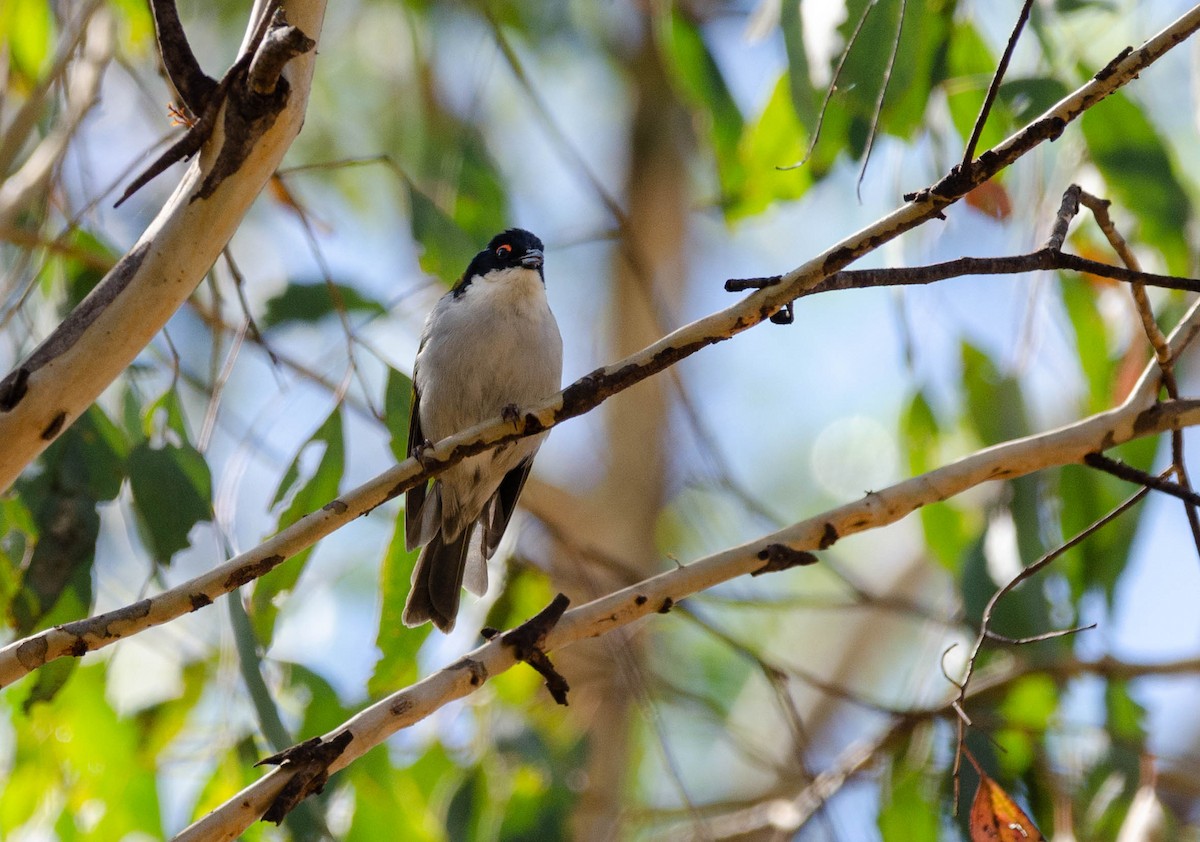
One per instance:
(532,259)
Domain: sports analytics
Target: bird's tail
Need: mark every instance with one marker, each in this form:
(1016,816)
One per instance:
(437,582)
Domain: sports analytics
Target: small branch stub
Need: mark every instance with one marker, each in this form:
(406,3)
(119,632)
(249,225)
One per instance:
(528,639)
(782,557)
(310,760)
(282,44)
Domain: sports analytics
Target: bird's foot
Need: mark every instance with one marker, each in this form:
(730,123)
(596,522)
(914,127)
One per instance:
(512,414)
(420,452)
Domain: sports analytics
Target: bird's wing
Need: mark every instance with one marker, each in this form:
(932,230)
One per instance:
(503,504)
(414,498)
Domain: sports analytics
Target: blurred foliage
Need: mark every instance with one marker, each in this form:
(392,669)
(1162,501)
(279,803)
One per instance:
(188,458)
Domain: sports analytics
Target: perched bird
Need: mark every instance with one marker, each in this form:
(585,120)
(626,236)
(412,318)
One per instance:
(489,345)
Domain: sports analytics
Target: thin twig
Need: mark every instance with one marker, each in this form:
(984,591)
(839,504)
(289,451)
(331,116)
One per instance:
(877,113)
(1045,259)
(994,87)
(1025,573)
(837,75)
(1067,211)
(1131,474)
(1162,352)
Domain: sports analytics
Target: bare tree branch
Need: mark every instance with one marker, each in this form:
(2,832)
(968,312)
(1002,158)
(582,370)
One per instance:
(994,87)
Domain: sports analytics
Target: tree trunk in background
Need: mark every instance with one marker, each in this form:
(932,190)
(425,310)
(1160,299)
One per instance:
(621,514)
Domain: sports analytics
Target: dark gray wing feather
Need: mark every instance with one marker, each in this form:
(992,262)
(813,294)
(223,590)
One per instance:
(437,582)
(502,506)
(414,498)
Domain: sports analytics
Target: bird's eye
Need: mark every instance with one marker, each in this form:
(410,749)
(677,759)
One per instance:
(504,250)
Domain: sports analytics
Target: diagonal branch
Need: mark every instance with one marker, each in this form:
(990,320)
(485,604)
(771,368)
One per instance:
(994,88)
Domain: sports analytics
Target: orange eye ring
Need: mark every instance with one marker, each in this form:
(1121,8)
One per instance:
(503,250)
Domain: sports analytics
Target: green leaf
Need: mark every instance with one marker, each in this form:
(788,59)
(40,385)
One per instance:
(919,64)
(459,201)
(172,492)
(158,725)
(804,97)
(702,86)
(1086,495)
(318,490)
(1030,703)
(1026,99)
(446,249)
(87,459)
(1139,172)
(1091,341)
(909,808)
(397,409)
(306,303)
(48,680)
(82,276)
(87,753)
(776,140)
(970,65)
(389,804)
(948,530)
(28,27)
(398,645)
(56,586)
(1126,719)
(166,415)
(324,710)
(995,405)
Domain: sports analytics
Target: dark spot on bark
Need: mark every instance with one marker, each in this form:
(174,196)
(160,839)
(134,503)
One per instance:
(829,536)
(335,506)
(641,599)
(667,605)
(54,427)
(199,600)
(400,707)
(32,653)
(78,648)
(248,116)
(1054,128)
(251,571)
(13,388)
(479,673)
(82,317)
(101,625)
(861,522)
(533,424)
(782,557)
(1107,441)
(1111,68)
(1145,421)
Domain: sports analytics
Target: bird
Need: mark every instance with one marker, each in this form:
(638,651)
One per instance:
(488,346)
